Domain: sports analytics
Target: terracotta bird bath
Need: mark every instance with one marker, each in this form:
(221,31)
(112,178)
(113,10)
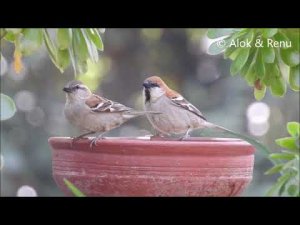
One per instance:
(153,167)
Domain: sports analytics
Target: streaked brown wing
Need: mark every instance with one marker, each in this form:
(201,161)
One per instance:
(100,104)
(183,103)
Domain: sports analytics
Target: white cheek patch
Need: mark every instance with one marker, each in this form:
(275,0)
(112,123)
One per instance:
(156,92)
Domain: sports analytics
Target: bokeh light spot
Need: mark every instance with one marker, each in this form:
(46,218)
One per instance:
(1,162)
(26,191)
(258,129)
(35,117)
(258,112)
(25,100)
(3,65)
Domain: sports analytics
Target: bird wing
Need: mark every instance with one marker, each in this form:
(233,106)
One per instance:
(183,103)
(100,104)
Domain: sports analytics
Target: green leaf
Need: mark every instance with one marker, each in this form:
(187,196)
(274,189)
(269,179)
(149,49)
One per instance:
(229,51)
(64,38)
(290,57)
(278,86)
(14,30)
(216,33)
(31,40)
(282,188)
(10,36)
(260,66)
(293,190)
(272,72)
(50,47)
(267,32)
(281,181)
(240,61)
(287,142)
(63,59)
(294,170)
(82,67)
(73,189)
(260,94)
(294,78)
(293,34)
(281,37)
(79,52)
(80,46)
(275,169)
(8,108)
(247,65)
(251,75)
(96,38)
(282,156)
(93,53)
(215,48)
(73,60)
(293,128)
(232,52)
(289,165)
(268,54)
(2,34)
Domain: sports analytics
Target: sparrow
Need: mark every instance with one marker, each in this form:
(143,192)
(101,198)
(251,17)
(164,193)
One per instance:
(178,116)
(93,113)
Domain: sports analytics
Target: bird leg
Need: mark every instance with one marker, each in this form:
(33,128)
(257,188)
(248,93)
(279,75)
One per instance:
(186,135)
(95,139)
(157,134)
(74,139)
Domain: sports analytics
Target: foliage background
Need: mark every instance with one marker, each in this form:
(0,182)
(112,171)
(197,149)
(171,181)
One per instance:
(129,56)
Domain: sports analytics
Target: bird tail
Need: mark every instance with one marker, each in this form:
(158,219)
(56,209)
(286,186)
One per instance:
(140,113)
(248,139)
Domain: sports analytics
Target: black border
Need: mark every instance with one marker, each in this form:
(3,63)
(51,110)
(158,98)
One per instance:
(152,14)
(159,204)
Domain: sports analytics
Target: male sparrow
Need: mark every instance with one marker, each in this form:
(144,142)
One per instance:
(178,115)
(93,113)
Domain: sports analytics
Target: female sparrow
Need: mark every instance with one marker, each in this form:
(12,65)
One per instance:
(93,113)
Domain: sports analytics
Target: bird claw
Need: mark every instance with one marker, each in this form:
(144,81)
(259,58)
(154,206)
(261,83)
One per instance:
(74,139)
(157,136)
(184,137)
(94,141)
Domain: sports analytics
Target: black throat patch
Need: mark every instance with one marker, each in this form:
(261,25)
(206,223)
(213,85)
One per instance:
(147,95)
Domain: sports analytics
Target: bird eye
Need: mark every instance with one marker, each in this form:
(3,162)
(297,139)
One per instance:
(77,87)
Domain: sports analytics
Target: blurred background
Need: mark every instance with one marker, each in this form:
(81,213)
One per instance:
(179,56)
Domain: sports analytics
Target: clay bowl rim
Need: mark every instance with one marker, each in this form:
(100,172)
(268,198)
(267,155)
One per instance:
(148,145)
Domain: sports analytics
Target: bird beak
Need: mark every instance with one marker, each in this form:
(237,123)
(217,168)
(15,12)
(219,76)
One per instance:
(66,89)
(146,85)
